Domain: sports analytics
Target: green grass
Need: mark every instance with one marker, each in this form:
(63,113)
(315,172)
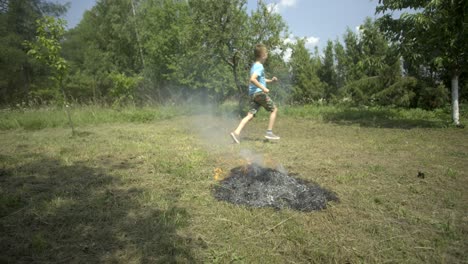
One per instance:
(138,188)
(36,119)
(376,116)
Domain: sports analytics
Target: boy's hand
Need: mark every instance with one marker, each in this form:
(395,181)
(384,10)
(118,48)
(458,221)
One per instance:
(274,79)
(266,90)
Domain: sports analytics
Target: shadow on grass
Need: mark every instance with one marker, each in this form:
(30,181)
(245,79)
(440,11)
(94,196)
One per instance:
(259,138)
(379,118)
(51,212)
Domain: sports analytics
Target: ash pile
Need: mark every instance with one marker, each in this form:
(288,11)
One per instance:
(256,186)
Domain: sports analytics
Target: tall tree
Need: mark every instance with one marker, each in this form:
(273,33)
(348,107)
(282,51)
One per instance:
(187,46)
(47,49)
(434,33)
(228,33)
(103,46)
(340,62)
(307,86)
(327,71)
(374,48)
(353,48)
(19,74)
(165,27)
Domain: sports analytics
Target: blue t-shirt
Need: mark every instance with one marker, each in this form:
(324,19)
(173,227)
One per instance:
(260,71)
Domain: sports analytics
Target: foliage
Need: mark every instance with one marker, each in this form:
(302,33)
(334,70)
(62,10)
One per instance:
(226,34)
(440,25)
(47,49)
(307,86)
(431,97)
(165,51)
(123,87)
(20,73)
(401,93)
(327,72)
(361,91)
(432,36)
(340,64)
(190,48)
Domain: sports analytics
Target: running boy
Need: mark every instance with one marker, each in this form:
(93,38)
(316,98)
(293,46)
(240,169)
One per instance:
(258,93)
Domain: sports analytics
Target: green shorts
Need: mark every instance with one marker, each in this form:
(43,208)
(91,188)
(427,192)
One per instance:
(261,99)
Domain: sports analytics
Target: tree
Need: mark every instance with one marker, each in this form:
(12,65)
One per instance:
(374,48)
(370,69)
(307,86)
(354,66)
(196,47)
(434,33)
(165,27)
(20,75)
(340,62)
(101,47)
(327,71)
(226,33)
(47,50)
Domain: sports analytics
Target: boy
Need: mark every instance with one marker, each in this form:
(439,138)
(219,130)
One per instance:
(258,93)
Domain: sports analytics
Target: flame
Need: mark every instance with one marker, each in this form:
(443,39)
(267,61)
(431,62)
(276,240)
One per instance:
(218,173)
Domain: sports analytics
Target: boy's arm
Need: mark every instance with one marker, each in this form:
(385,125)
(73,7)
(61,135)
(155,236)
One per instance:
(253,79)
(274,79)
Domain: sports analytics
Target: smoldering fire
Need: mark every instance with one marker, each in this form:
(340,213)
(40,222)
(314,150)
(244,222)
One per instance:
(257,186)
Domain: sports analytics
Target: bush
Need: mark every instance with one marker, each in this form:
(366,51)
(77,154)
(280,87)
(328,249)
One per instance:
(81,86)
(308,91)
(431,97)
(123,88)
(361,92)
(400,94)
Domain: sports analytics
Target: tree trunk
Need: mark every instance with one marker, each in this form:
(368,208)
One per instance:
(67,110)
(239,89)
(94,90)
(138,36)
(455,109)
(27,82)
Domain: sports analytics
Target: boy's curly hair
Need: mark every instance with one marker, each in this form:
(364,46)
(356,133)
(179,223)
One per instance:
(260,49)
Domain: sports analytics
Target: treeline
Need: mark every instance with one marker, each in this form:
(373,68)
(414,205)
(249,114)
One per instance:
(21,76)
(365,69)
(180,50)
(149,50)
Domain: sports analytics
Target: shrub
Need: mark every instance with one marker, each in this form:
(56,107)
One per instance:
(123,88)
(362,90)
(400,94)
(432,96)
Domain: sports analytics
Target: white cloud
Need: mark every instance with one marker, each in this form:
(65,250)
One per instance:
(288,3)
(281,5)
(359,30)
(287,54)
(290,40)
(273,8)
(310,43)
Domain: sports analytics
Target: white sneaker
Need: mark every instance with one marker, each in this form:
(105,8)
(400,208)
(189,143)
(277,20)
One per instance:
(272,136)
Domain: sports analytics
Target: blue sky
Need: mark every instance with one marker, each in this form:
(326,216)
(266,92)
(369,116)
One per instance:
(317,20)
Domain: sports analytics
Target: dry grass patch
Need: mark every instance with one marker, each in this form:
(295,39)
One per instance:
(132,193)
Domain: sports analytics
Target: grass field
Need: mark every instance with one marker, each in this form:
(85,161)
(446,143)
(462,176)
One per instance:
(135,186)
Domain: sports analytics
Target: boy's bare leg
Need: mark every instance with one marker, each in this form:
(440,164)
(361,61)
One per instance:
(243,122)
(271,123)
